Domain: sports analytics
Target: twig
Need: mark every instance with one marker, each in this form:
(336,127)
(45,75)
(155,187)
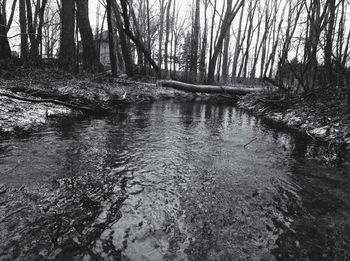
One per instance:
(250,142)
(12,213)
(2,191)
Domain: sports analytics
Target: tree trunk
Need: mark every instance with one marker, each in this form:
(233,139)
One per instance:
(167,32)
(229,16)
(237,47)
(212,30)
(24,33)
(161,29)
(226,51)
(328,52)
(67,45)
(112,56)
(209,88)
(137,41)
(89,49)
(35,25)
(148,31)
(202,68)
(252,9)
(124,44)
(194,44)
(5,50)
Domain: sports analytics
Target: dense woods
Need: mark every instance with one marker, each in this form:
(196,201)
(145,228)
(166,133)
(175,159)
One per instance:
(301,45)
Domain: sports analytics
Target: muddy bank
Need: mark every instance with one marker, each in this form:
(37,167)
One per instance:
(323,117)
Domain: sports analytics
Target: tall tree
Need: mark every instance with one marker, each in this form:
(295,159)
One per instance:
(137,42)
(316,20)
(124,42)
(202,62)
(228,18)
(24,32)
(35,26)
(194,44)
(162,8)
(51,30)
(237,46)
(67,45)
(226,50)
(90,61)
(328,50)
(251,14)
(5,50)
(112,55)
(167,33)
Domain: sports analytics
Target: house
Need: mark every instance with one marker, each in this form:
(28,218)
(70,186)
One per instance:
(102,45)
(102,48)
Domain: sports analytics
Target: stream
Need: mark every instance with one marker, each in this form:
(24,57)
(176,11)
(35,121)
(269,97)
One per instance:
(171,181)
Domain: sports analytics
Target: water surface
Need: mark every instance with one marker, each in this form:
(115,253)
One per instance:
(185,181)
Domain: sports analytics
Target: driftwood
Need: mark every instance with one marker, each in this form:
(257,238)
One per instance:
(57,102)
(209,88)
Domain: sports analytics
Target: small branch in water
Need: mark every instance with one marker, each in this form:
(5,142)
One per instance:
(250,142)
(3,189)
(12,213)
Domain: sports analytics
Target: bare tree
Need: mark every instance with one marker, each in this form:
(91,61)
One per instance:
(112,55)
(24,31)
(137,41)
(194,44)
(90,61)
(328,50)
(226,51)
(228,18)
(167,33)
(51,30)
(162,9)
(202,62)
(237,45)
(67,45)
(35,25)
(5,50)
(124,42)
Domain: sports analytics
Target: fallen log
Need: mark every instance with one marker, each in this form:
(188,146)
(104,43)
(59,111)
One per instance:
(208,88)
(57,102)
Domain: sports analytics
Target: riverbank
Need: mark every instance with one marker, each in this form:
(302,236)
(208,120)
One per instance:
(323,116)
(95,94)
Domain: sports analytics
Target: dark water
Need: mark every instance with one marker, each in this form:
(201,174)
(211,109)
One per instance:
(182,186)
